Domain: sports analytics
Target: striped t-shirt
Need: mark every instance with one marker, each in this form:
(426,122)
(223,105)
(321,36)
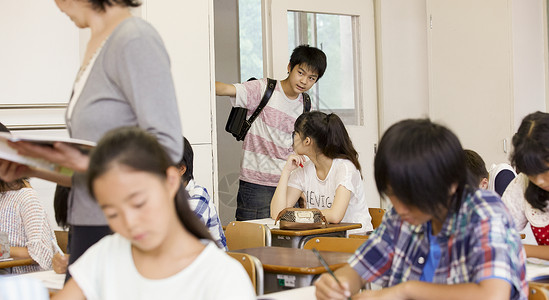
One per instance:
(269,140)
(25,221)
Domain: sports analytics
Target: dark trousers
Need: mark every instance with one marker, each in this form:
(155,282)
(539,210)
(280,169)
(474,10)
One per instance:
(81,238)
(253,201)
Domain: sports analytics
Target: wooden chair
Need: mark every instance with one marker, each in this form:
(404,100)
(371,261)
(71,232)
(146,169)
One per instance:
(62,239)
(537,292)
(334,244)
(377,216)
(242,235)
(253,267)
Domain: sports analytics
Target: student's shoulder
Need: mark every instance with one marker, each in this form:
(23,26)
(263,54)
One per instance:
(25,193)
(253,85)
(214,256)
(133,29)
(110,242)
(483,205)
(345,165)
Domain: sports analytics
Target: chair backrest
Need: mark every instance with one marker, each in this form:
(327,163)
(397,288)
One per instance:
(334,244)
(537,292)
(377,216)
(253,267)
(242,235)
(62,239)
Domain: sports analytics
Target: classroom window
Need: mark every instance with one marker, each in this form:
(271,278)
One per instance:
(333,34)
(251,44)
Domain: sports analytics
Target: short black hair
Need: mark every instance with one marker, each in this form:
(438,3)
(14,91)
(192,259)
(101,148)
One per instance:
(475,166)
(531,154)
(187,161)
(420,161)
(100,5)
(312,57)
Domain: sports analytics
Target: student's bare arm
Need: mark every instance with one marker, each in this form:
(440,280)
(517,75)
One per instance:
(224,89)
(538,251)
(284,195)
(336,213)
(19,252)
(71,291)
(489,289)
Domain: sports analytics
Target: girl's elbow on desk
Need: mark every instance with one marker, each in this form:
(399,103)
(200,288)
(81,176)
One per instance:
(333,216)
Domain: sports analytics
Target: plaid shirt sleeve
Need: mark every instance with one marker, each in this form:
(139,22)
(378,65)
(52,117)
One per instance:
(200,204)
(495,250)
(374,258)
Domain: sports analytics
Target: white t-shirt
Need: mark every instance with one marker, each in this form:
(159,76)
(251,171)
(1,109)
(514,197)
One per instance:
(106,271)
(269,140)
(320,193)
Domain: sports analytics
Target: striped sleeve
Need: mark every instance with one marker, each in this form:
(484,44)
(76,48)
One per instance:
(39,235)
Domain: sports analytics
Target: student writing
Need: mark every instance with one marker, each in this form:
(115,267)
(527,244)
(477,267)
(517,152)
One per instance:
(160,250)
(527,195)
(442,239)
(24,219)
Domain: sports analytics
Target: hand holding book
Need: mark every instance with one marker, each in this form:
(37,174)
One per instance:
(51,154)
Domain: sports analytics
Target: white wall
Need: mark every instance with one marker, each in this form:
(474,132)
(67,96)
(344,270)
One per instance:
(187,30)
(402,60)
(40,54)
(529,64)
(38,61)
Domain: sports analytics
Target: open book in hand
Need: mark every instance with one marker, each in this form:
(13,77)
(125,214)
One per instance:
(8,153)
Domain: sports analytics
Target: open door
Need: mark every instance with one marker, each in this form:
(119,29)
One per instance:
(345,31)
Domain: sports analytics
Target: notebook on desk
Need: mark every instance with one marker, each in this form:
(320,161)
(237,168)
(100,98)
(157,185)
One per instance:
(266,221)
(536,268)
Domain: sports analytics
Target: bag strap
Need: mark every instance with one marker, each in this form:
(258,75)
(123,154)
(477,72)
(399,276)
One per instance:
(306,103)
(271,83)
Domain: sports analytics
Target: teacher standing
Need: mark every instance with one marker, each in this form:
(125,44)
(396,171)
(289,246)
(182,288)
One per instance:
(124,80)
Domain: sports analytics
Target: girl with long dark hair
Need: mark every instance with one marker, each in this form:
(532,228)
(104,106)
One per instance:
(331,179)
(527,195)
(159,248)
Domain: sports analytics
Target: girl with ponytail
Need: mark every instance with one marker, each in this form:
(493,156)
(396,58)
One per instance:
(159,249)
(330,179)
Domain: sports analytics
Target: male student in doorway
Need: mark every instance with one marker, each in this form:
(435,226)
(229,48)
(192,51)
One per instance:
(269,140)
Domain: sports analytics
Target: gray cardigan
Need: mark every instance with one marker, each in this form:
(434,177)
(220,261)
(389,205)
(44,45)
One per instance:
(130,84)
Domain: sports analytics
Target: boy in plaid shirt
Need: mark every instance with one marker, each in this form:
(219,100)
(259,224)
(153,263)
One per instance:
(442,239)
(199,199)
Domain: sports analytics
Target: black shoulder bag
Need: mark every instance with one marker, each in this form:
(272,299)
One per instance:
(238,126)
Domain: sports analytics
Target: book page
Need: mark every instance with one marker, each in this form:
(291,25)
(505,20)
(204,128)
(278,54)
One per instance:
(8,153)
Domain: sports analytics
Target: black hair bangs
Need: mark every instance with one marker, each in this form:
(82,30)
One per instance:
(531,158)
(419,162)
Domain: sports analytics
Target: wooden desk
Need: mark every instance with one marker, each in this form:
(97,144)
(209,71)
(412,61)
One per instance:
(286,268)
(16,262)
(298,238)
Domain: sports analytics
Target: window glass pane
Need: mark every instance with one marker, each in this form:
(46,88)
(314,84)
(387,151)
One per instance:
(251,45)
(292,34)
(335,91)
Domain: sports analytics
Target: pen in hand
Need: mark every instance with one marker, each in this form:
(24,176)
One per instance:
(56,247)
(327,267)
